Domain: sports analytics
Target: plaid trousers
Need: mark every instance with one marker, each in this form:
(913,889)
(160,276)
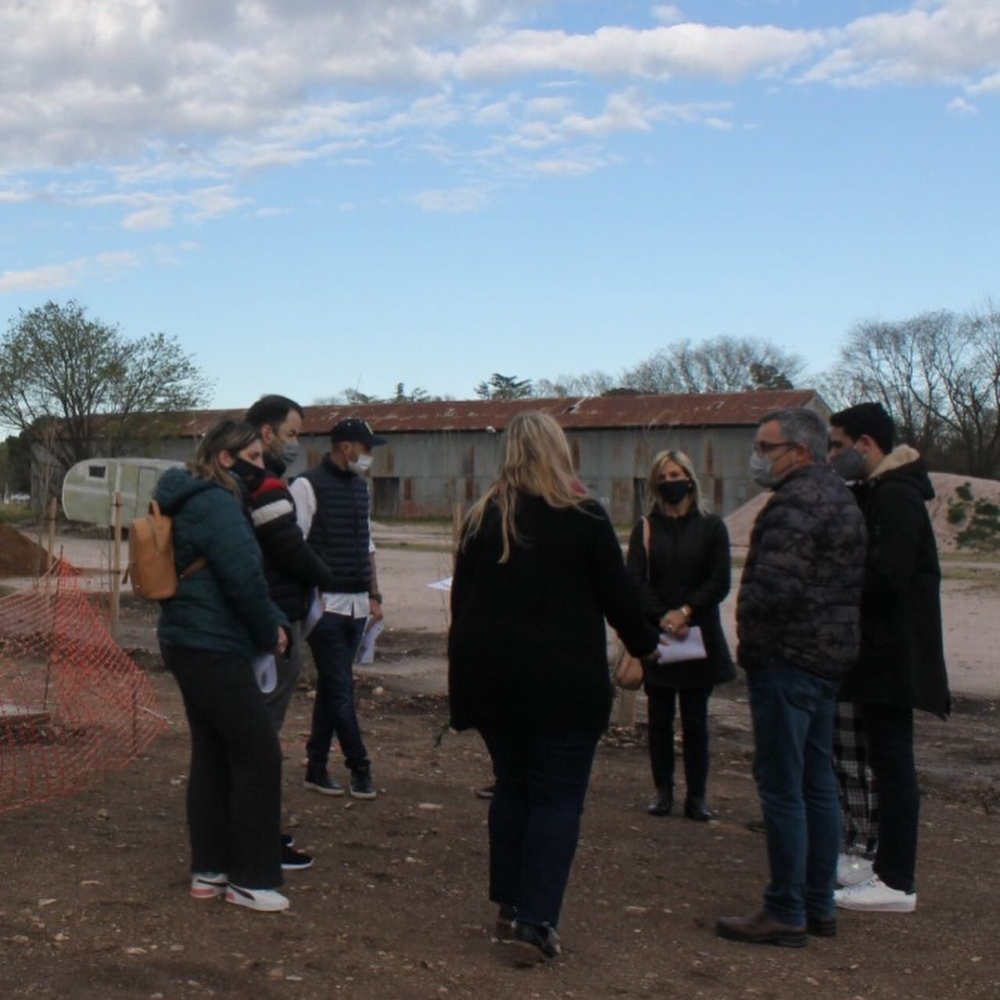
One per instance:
(858,794)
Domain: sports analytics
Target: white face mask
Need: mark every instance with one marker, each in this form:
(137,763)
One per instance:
(361,464)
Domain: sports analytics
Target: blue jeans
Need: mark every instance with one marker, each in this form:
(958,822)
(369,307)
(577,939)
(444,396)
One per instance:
(534,824)
(792,713)
(334,643)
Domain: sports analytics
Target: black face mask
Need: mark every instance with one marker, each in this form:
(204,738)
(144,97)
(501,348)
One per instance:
(252,476)
(673,491)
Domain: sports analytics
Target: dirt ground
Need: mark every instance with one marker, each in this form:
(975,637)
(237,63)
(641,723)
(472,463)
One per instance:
(94,899)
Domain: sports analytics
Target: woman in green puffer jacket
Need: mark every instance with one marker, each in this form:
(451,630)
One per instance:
(210,631)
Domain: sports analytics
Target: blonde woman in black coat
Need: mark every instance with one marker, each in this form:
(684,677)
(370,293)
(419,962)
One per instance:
(683,580)
(538,571)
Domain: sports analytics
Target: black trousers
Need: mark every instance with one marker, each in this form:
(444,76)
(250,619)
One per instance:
(694,723)
(234,788)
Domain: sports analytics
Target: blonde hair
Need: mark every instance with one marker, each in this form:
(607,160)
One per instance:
(679,458)
(535,460)
(226,435)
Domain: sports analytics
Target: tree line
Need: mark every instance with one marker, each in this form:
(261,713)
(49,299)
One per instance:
(72,383)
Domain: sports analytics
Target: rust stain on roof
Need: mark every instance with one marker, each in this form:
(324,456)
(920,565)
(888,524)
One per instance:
(733,409)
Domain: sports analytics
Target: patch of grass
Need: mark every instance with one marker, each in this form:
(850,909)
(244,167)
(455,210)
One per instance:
(980,517)
(16,513)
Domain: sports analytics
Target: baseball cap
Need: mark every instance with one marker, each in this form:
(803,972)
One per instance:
(353,429)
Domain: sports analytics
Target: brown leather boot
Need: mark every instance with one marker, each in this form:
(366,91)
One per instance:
(761,928)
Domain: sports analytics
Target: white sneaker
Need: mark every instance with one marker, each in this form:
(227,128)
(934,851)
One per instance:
(264,900)
(208,885)
(852,869)
(874,896)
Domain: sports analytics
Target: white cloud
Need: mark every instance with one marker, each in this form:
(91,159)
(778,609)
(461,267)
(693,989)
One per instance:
(160,217)
(960,106)
(667,13)
(67,274)
(457,200)
(936,42)
(41,279)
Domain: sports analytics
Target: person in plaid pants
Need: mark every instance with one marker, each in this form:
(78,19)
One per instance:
(858,795)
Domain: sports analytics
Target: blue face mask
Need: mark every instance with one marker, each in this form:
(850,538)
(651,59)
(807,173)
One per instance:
(290,451)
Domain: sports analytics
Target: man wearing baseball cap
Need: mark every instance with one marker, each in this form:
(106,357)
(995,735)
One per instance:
(331,504)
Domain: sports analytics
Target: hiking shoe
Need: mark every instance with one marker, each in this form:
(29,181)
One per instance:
(362,786)
(874,896)
(533,944)
(318,780)
(287,840)
(486,792)
(293,860)
(505,923)
(262,900)
(853,869)
(208,885)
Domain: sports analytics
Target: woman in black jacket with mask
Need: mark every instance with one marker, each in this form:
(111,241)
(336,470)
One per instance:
(683,575)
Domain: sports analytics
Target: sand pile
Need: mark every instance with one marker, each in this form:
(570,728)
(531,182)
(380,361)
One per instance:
(965,513)
(19,556)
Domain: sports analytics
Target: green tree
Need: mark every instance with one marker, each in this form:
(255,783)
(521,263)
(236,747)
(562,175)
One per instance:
(505,387)
(100,390)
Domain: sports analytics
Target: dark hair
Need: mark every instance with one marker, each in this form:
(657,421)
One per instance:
(867,418)
(800,425)
(272,410)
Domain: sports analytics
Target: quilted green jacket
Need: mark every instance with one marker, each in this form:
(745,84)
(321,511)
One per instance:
(224,606)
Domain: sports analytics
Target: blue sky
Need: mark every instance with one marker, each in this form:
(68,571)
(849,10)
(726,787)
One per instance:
(313,195)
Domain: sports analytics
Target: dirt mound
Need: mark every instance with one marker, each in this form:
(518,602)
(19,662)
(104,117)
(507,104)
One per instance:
(965,513)
(19,556)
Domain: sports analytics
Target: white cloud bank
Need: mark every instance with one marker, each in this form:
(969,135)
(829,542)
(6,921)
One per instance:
(179,99)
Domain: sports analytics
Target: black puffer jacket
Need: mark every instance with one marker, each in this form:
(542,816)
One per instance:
(902,651)
(290,565)
(688,564)
(800,592)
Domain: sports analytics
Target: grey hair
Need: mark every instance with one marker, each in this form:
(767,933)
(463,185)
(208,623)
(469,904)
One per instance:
(802,426)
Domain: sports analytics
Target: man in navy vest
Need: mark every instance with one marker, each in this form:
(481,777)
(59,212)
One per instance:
(331,504)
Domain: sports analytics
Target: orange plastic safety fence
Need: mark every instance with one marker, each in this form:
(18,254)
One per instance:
(74,706)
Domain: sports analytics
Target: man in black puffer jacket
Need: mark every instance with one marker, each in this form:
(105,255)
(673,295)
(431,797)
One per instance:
(798,627)
(901,663)
(293,571)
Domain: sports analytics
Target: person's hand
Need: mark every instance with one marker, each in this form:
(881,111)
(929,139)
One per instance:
(374,611)
(675,623)
(283,639)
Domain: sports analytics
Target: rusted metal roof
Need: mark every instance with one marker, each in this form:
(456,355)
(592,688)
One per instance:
(715,409)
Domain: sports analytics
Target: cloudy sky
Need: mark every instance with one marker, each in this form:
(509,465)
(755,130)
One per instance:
(320,194)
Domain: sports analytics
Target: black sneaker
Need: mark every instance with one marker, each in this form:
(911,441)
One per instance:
(533,944)
(486,792)
(362,786)
(293,860)
(318,780)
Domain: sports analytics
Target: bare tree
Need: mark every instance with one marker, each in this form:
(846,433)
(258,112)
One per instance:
(99,388)
(938,373)
(724,364)
(590,384)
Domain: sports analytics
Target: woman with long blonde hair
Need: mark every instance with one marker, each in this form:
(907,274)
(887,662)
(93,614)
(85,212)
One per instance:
(538,570)
(678,556)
